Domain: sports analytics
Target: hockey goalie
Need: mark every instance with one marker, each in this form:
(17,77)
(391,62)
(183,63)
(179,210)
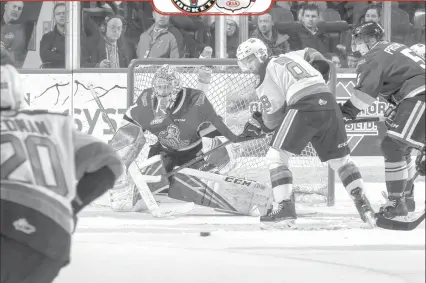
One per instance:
(186,125)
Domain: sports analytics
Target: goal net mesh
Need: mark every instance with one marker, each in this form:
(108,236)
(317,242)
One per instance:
(232,94)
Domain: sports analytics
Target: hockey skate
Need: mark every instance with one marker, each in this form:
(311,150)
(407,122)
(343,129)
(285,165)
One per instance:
(280,216)
(363,206)
(394,207)
(409,200)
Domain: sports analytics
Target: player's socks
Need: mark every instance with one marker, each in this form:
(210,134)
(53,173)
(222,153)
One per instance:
(352,180)
(409,199)
(280,215)
(409,188)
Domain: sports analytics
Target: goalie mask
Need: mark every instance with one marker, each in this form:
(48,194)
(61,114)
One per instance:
(251,54)
(166,85)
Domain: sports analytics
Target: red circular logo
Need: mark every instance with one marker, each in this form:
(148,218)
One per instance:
(233,4)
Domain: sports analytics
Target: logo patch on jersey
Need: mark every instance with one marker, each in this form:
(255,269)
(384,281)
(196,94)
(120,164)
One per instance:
(194,6)
(156,121)
(322,102)
(171,138)
(233,5)
(23,226)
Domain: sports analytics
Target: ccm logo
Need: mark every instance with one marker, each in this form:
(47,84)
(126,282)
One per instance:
(238,181)
(233,3)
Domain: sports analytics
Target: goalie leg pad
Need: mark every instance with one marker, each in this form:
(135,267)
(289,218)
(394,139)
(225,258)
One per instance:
(226,196)
(156,169)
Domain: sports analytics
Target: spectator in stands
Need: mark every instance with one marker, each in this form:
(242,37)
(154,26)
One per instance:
(353,59)
(232,38)
(161,40)
(311,36)
(265,31)
(334,59)
(373,13)
(110,50)
(52,45)
(13,39)
(195,32)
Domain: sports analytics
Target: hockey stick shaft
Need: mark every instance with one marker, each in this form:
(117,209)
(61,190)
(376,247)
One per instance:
(202,156)
(366,120)
(100,105)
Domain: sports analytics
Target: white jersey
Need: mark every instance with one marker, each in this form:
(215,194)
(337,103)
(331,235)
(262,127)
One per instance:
(288,80)
(37,151)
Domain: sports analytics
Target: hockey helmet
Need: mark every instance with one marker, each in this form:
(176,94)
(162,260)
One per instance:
(252,48)
(166,81)
(419,50)
(11,91)
(369,28)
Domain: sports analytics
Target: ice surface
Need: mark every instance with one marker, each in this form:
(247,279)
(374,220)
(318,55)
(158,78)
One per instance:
(332,245)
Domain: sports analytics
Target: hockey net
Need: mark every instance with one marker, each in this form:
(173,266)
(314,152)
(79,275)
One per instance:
(232,94)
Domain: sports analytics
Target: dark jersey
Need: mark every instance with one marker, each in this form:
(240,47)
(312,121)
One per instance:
(390,70)
(42,156)
(180,129)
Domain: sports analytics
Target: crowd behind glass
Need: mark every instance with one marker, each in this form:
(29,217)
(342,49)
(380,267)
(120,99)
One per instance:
(115,33)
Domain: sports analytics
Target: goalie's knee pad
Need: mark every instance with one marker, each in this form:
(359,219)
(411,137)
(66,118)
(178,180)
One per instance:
(393,150)
(125,194)
(122,195)
(337,163)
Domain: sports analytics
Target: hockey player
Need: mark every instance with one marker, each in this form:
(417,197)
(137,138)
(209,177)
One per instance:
(300,109)
(42,156)
(179,117)
(394,72)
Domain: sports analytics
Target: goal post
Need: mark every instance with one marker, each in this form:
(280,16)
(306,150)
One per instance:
(232,94)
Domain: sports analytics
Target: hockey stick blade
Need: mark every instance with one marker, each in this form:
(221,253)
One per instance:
(392,224)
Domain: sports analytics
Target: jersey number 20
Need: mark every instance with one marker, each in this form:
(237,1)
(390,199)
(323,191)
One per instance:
(43,158)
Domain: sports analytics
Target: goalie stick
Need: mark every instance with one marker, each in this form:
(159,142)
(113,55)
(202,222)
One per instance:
(137,178)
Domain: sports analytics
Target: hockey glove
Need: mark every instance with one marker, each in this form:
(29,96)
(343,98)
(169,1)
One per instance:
(251,131)
(420,162)
(257,116)
(349,111)
(390,114)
